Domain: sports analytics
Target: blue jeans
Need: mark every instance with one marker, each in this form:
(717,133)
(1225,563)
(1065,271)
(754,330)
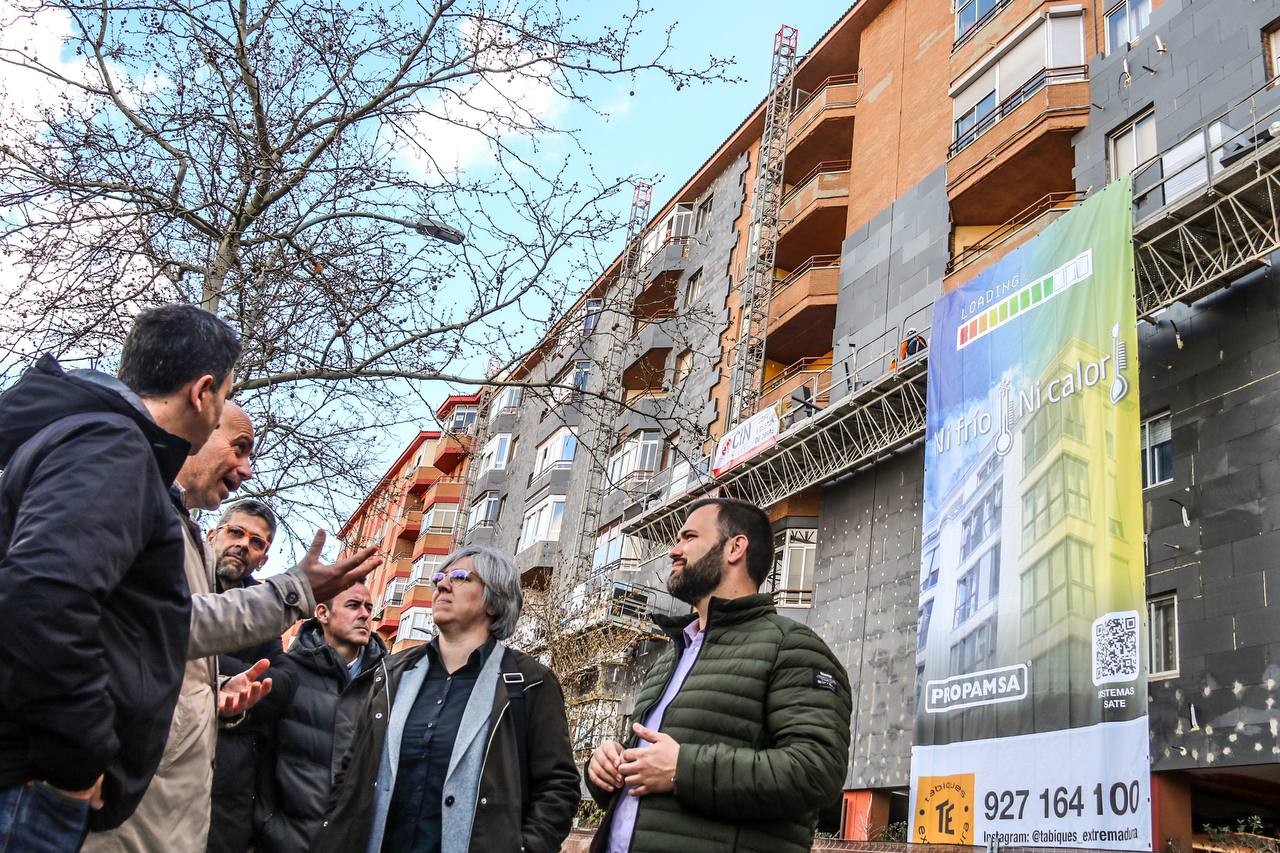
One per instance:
(35,818)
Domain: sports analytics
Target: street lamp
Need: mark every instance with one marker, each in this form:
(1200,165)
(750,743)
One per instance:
(425,227)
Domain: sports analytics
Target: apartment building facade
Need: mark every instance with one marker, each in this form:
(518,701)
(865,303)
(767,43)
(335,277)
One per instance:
(412,516)
(924,142)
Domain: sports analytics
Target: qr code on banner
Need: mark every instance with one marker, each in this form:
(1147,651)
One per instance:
(1115,647)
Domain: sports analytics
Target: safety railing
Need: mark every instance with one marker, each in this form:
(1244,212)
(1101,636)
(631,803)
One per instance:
(823,168)
(833,80)
(970,18)
(793,597)
(1199,158)
(1038,81)
(816,262)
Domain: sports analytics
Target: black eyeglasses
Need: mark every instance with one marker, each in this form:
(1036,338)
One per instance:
(455,576)
(255,542)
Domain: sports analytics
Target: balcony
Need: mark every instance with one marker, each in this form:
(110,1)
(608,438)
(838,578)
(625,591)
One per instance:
(409,524)
(433,540)
(1020,150)
(813,375)
(813,213)
(994,243)
(647,373)
(418,594)
(660,278)
(603,600)
(423,477)
(793,597)
(444,490)
(833,100)
(400,568)
(802,310)
(553,479)
(450,451)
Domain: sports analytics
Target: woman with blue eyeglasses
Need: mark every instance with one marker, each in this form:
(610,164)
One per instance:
(462,744)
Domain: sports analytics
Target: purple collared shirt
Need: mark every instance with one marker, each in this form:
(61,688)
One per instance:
(623,824)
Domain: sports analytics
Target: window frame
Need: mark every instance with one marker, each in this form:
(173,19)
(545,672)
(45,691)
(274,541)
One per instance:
(1130,128)
(703,214)
(1152,603)
(1128,6)
(476,517)
(1148,450)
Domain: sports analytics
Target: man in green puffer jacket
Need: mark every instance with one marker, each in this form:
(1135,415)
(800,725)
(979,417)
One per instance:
(745,719)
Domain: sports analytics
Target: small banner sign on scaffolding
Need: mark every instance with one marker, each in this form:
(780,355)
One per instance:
(758,432)
(1031,724)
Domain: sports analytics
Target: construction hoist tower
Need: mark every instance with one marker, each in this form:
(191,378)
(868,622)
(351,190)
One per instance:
(762,237)
(616,321)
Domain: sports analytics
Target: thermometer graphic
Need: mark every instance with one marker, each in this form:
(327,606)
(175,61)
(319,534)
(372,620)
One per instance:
(1120,353)
(1004,438)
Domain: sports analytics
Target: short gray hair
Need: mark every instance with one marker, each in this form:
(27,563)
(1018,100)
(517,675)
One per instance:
(254,507)
(502,592)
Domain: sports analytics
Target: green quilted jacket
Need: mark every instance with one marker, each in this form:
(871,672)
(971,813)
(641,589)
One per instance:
(763,726)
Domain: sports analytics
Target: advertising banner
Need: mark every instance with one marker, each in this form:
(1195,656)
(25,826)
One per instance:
(758,432)
(1031,724)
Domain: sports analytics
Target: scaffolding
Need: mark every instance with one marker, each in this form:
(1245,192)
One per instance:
(762,236)
(1206,209)
(616,321)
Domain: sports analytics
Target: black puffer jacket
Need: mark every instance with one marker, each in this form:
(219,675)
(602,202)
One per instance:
(313,703)
(239,757)
(94,606)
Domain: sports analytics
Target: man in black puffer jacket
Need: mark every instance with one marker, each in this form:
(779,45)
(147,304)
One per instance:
(318,686)
(95,610)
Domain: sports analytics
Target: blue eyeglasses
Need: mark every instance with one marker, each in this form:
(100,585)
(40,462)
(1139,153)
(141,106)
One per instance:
(455,576)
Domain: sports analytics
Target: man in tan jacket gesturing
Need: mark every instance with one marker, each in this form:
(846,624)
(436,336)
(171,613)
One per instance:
(174,814)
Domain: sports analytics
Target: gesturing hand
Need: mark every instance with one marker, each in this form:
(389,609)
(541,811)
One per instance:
(602,770)
(651,769)
(327,580)
(242,692)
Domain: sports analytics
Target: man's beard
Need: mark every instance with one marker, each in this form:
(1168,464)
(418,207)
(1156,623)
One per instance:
(230,570)
(698,579)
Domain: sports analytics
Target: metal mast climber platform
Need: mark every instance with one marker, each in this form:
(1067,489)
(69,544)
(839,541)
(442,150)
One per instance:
(762,236)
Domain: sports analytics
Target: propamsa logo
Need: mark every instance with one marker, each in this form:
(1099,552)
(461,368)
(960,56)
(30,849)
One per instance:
(1029,298)
(988,687)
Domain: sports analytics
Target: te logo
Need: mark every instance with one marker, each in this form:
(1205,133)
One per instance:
(944,809)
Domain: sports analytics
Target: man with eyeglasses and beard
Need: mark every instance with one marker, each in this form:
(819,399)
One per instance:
(743,732)
(239,543)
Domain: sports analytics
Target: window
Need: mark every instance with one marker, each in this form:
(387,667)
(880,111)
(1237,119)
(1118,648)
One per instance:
(684,366)
(581,374)
(1048,426)
(496,454)
(1125,20)
(440,518)
(542,523)
(417,624)
(591,317)
(794,553)
(557,451)
(977,651)
(615,551)
(1057,585)
(981,521)
(978,586)
(507,400)
(463,418)
(485,511)
(1062,490)
(922,620)
(970,124)
(704,214)
(929,568)
(425,566)
(1162,623)
(1133,145)
(969,13)
(694,290)
(394,596)
(639,454)
(1157,450)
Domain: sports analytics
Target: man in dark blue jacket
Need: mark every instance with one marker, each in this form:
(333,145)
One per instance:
(94,604)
